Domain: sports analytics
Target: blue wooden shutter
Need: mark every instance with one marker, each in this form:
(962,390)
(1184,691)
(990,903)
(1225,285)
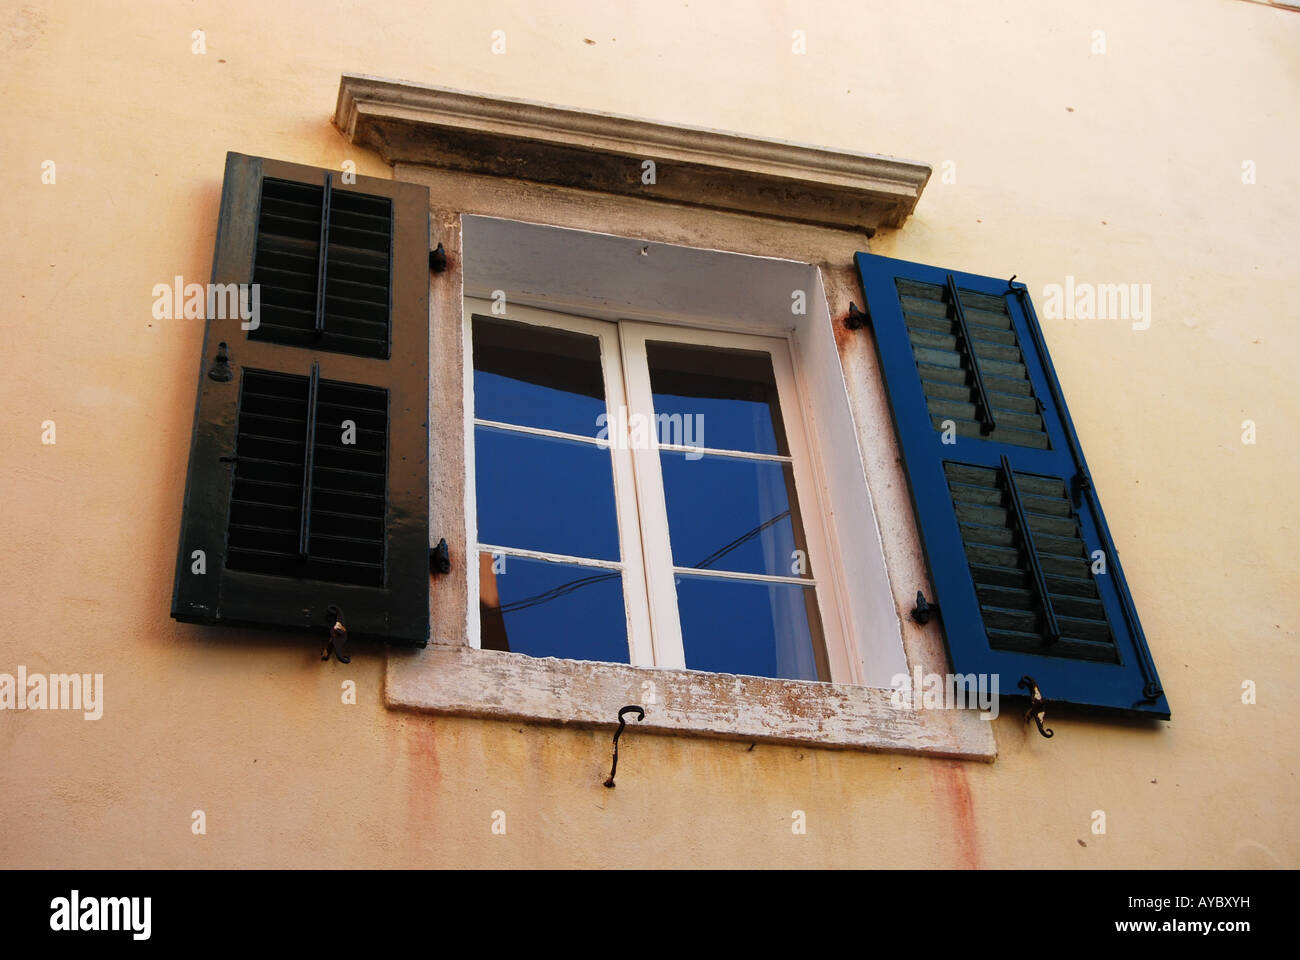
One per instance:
(1009,520)
(285,513)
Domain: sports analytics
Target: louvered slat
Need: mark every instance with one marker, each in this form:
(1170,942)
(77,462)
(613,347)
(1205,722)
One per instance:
(270,450)
(286,260)
(358,268)
(357,276)
(1004,583)
(947,365)
(348,502)
(349,481)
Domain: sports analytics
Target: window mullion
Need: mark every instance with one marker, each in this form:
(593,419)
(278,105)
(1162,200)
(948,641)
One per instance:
(660,581)
(640,629)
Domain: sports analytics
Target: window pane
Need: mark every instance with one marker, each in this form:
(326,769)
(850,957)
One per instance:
(549,609)
(753,628)
(543,493)
(724,399)
(537,377)
(728,513)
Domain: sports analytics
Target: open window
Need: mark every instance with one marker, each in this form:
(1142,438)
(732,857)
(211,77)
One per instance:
(644,494)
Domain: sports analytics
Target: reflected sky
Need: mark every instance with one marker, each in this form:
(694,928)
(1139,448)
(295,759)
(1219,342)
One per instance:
(733,390)
(727,513)
(547,609)
(543,493)
(537,377)
(748,627)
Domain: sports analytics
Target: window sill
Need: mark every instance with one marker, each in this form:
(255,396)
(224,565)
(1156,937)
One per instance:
(461,680)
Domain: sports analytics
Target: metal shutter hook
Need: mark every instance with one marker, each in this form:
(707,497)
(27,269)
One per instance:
(1037,705)
(338,638)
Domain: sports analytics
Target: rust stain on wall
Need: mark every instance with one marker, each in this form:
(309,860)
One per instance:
(955,791)
(421,736)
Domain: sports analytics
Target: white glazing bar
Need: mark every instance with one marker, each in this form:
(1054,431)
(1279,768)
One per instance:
(541,432)
(551,557)
(741,454)
(738,575)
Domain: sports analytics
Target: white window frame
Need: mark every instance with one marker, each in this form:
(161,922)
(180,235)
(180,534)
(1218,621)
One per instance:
(614,278)
(661,572)
(630,562)
(648,573)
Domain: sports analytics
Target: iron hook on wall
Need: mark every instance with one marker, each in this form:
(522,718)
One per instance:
(338,638)
(640,715)
(1037,705)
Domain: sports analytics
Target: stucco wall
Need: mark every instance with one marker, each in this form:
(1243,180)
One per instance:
(1117,167)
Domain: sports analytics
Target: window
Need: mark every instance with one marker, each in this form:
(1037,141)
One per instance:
(324,464)
(644,495)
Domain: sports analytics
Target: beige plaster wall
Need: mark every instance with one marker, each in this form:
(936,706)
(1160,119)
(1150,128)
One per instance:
(1117,167)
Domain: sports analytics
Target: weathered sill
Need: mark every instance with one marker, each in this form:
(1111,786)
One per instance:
(459,679)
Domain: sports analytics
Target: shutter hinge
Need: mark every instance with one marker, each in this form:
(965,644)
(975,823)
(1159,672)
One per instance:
(220,369)
(923,610)
(438,259)
(1037,706)
(440,558)
(1079,485)
(338,638)
(856,319)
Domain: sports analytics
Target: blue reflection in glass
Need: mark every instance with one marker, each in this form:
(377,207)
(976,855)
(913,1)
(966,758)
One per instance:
(549,609)
(544,493)
(731,392)
(728,513)
(537,377)
(749,627)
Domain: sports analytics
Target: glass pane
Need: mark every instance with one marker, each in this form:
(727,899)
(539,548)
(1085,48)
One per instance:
(549,609)
(724,399)
(537,377)
(543,493)
(753,628)
(728,513)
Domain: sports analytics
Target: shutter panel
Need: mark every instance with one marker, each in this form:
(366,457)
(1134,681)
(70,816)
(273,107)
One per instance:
(1008,517)
(308,474)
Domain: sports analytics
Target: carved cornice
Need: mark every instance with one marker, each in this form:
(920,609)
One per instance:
(440,127)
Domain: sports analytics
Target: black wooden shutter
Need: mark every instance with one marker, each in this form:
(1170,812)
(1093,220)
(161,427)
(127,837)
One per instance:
(308,473)
(1011,525)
